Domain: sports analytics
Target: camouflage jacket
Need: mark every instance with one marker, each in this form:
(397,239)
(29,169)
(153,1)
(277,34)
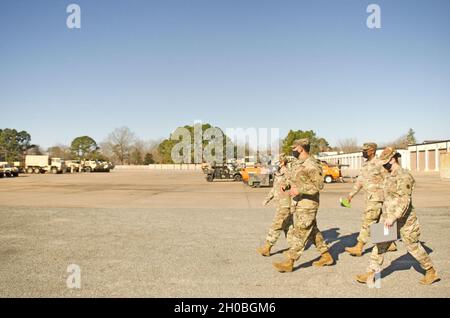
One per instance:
(307,177)
(371,179)
(398,189)
(276,193)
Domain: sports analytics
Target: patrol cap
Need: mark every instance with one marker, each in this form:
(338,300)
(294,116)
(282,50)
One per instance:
(300,142)
(370,145)
(388,154)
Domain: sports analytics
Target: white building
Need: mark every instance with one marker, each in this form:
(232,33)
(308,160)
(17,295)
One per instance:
(426,156)
(421,157)
(352,162)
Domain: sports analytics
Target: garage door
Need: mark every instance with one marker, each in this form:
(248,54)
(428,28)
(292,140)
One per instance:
(432,160)
(421,160)
(413,161)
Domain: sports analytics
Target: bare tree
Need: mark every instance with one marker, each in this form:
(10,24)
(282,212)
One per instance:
(138,151)
(119,144)
(152,148)
(404,141)
(348,145)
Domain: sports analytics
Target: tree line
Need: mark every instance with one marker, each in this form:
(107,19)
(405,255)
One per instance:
(122,146)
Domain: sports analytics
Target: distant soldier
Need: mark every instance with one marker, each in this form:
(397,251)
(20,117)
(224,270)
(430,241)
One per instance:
(398,188)
(371,179)
(283,218)
(304,184)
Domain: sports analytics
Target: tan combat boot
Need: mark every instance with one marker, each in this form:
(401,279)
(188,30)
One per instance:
(356,250)
(392,247)
(430,277)
(265,250)
(286,266)
(363,278)
(325,260)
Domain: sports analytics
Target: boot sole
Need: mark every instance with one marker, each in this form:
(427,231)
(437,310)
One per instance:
(283,270)
(360,281)
(323,265)
(262,254)
(355,255)
(431,283)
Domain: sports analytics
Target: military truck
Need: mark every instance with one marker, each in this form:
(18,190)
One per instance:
(43,164)
(229,171)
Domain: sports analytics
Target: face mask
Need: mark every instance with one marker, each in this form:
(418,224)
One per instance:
(388,166)
(365,154)
(295,154)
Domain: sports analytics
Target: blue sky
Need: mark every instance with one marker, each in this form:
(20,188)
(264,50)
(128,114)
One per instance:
(155,65)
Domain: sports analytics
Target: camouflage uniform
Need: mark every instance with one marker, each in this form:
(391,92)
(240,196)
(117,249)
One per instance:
(307,177)
(371,179)
(398,203)
(283,218)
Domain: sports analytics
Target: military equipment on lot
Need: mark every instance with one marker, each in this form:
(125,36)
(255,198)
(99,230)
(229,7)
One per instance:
(96,166)
(42,164)
(110,165)
(8,170)
(263,177)
(73,166)
(19,165)
(229,171)
(331,173)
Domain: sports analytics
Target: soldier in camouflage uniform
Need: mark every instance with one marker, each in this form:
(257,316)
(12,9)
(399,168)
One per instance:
(283,218)
(304,184)
(398,186)
(371,179)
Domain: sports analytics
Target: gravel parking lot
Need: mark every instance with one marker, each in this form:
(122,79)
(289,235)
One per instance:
(172,234)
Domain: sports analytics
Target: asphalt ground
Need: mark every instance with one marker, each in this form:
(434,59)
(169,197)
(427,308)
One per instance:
(172,234)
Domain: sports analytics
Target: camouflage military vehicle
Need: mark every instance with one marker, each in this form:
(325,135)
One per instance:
(226,171)
(96,166)
(109,165)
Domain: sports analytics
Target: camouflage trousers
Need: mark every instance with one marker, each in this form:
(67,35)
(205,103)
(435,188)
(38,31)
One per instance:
(371,215)
(409,231)
(282,221)
(304,230)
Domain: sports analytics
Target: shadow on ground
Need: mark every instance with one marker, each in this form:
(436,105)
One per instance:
(338,244)
(405,262)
